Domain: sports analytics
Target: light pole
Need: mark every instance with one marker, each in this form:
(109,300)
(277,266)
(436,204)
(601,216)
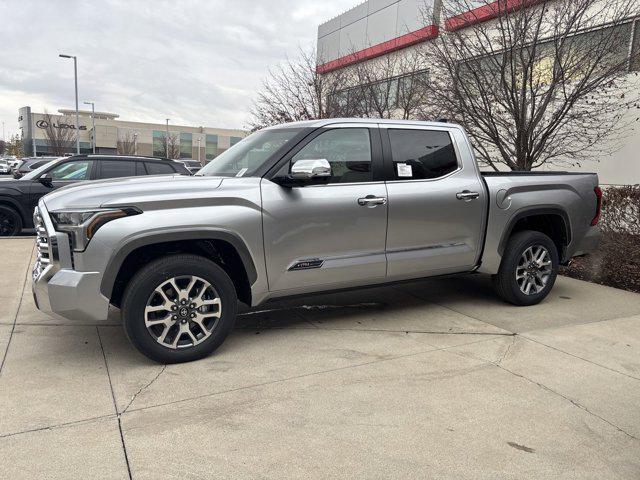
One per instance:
(199,140)
(135,143)
(93,124)
(75,77)
(166,140)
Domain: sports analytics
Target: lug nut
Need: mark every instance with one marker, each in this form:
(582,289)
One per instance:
(174,317)
(183,302)
(174,307)
(193,305)
(193,315)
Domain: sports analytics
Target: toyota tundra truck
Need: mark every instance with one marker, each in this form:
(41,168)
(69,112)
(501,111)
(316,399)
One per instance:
(302,208)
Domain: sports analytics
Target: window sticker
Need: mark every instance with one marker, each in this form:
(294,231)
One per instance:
(242,172)
(404,170)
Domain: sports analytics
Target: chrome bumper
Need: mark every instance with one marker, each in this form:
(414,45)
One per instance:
(60,291)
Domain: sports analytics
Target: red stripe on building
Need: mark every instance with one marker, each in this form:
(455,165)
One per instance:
(383,48)
(486,12)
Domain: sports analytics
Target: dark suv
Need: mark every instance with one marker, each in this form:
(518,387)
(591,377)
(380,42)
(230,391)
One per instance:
(19,197)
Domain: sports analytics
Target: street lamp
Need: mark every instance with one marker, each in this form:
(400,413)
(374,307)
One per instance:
(199,140)
(166,140)
(93,124)
(75,76)
(135,143)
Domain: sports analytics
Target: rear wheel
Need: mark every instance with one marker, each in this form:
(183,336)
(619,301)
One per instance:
(528,269)
(10,222)
(179,308)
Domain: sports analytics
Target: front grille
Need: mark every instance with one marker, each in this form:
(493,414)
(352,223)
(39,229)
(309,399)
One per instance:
(43,245)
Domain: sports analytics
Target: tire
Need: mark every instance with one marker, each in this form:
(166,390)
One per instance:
(10,222)
(142,297)
(521,247)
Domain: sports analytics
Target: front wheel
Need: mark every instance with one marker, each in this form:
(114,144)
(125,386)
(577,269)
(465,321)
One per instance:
(528,269)
(179,308)
(10,222)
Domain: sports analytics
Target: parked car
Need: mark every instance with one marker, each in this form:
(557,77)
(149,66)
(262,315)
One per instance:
(192,165)
(302,208)
(4,166)
(19,197)
(28,164)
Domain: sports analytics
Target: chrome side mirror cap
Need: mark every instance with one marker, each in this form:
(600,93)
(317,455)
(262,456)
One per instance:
(307,169)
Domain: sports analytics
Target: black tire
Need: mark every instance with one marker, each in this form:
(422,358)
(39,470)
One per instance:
(505,283)
(143,284)
(10,222)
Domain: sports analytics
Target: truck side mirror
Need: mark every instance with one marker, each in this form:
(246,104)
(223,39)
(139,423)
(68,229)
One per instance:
(304,172)
(309,169)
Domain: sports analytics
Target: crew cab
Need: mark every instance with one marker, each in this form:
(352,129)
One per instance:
(19,197)
(301,208)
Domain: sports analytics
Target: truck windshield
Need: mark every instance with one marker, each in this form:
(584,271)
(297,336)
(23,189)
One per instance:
(248,155)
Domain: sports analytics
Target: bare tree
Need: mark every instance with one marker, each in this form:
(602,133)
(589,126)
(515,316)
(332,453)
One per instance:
(60,133)
(173,148)
(15,146)
(392,86)
(538,84)
(295,91)
(126,144)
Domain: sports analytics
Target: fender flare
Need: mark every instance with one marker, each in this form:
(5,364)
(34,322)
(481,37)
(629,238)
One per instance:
(117,259)
(530,212)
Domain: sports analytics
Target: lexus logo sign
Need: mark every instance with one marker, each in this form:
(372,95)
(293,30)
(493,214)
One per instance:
(45,124)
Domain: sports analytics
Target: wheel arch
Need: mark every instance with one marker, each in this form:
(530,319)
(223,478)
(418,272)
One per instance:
(10,202)
(224,248)
(552,221)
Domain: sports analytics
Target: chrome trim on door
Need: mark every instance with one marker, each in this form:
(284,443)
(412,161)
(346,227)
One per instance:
(372,201)
(467,195)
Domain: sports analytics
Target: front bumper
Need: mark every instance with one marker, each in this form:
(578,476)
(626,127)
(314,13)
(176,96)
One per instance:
(58,290)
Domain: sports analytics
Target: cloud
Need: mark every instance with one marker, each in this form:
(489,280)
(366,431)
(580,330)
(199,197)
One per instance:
(196,62)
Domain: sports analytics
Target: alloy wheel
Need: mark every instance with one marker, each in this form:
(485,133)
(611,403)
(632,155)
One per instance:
(8,224)
(182,311)
(534,270)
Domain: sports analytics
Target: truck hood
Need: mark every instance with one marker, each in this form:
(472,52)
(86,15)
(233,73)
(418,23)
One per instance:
(147,193)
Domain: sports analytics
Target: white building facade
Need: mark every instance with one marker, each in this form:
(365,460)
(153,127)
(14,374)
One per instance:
(377,28)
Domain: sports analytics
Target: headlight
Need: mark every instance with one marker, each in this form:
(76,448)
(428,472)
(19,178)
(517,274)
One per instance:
(83,224)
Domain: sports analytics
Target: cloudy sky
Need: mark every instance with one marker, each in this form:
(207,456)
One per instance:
(195,62)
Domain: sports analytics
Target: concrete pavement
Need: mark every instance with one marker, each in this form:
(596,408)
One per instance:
(432,379)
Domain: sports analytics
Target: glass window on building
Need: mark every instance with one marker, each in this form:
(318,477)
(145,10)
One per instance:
(234,140)
(159,148)
(186,145)
(211,150)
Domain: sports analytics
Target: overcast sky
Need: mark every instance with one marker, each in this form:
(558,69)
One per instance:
(195,62)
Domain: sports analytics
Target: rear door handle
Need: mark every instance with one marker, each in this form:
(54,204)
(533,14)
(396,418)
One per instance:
(466,195)
(372,201)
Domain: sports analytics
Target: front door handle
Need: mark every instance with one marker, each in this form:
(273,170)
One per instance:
(372,201)
(466,195)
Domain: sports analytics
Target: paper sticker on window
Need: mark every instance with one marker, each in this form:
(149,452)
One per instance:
(404,170)
(242,172)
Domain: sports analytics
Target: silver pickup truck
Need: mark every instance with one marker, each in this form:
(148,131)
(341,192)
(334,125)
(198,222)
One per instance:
(301,208)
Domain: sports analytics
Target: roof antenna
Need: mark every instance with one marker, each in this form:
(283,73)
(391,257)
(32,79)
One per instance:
(443,120)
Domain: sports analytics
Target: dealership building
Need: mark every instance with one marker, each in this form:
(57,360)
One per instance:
(378,28)
(203,143)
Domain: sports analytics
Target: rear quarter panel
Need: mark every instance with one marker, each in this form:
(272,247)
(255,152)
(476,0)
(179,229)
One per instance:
(511,196)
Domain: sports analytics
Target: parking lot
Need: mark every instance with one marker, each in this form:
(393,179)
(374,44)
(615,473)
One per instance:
(432,379)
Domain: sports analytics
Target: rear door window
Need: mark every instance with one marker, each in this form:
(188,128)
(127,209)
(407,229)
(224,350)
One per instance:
(156,168)
(117,169)
(421,154)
